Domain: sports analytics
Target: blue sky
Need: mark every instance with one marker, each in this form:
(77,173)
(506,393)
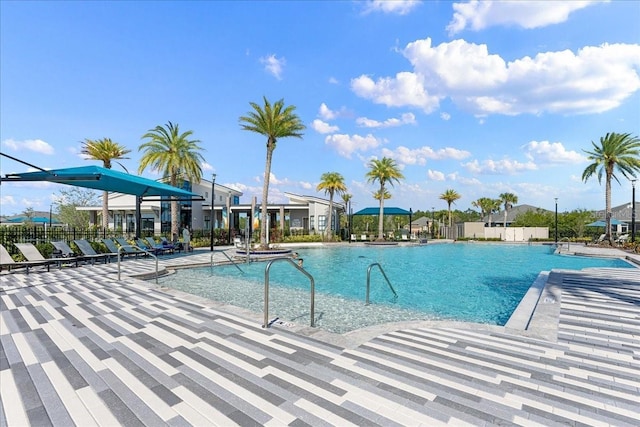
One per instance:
(480,97)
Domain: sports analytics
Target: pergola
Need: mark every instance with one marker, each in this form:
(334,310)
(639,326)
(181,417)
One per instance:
(99,178)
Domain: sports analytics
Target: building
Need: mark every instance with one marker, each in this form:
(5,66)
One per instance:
(301,214)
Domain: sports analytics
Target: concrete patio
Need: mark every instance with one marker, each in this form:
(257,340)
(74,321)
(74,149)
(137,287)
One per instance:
(79,347)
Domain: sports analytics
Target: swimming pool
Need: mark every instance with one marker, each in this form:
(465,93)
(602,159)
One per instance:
(480,283)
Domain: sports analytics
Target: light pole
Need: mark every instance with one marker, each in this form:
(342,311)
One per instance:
(556,199)
(213,214)
(433,222)
(633,210)
(410,215)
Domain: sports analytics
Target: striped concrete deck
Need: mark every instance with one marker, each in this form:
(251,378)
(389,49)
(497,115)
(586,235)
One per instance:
(80,348)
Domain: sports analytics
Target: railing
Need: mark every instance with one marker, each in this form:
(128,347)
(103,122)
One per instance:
(122,248)
(228,257)
(568,244)
(266,290)
(375,264)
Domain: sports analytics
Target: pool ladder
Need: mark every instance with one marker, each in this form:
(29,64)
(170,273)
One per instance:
(375,264)
(266,323)
(228,257)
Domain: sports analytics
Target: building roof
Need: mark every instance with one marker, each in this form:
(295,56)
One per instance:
(387,211)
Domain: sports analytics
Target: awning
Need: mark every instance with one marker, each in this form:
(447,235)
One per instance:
(604,223)
(103,179)
(35,220)
(386,211)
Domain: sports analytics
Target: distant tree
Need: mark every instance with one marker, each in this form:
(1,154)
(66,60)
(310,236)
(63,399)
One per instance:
(574,223)
(176,156)
(383,171)
(29,214)
(104,150)
(273,121)
(67,202)
(534,218)
(508,200)
(450,196)
(332,183)
(616,152)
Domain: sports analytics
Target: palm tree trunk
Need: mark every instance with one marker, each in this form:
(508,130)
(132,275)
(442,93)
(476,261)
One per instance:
(608,235)
(330,216)
(264,222)
(105,210)
(505,223)
(381,217)
(449,214)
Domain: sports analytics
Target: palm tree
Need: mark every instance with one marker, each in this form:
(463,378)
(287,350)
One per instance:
(487,206)
(175,155)
(346,198)
(383,170)
(331,182)
(104,150)
(508,199)
(273,121)
(616,152)
(450,196)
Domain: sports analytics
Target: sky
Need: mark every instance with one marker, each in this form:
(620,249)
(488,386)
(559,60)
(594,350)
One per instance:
(480,97)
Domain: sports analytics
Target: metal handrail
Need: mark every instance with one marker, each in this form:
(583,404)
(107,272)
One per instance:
(121,248)
(228,257)
(369,281)
(568,244)
(266,290)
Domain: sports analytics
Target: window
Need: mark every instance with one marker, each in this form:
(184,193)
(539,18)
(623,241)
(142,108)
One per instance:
(322,222)
(311,223)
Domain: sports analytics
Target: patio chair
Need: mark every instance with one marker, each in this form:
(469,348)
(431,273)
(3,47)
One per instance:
(353,238)
(7,261)
(127,248)
(622,239)
(88,251)
(31,253)
(159,248)
(177,246)
(65,251)
(363,238)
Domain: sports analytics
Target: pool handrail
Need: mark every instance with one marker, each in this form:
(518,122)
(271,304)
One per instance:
(568,244)
(266,290)
(228,257)
(369,281)
(122,249)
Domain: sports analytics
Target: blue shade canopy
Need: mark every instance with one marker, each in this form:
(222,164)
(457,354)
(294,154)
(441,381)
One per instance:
(604,223)
(386,211)
(99,178)
(35,220)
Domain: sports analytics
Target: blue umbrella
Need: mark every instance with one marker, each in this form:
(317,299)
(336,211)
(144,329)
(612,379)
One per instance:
(604,223)
(35,219)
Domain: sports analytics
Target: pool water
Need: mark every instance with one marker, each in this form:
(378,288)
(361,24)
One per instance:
(480,283)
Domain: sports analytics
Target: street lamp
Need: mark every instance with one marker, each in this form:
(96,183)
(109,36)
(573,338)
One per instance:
(410,215)
(213,200)
(556,199)
(633,210)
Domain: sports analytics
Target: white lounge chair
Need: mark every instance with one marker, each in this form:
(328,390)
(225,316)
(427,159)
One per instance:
(363,238)
(353,238)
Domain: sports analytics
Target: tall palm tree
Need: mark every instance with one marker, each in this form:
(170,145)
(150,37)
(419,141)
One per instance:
(508,199)
(106,151)
(175,155)
(617,152)
(273,121)
(332,183)
(346,198)
(487,206)
(450,196)
(384,171)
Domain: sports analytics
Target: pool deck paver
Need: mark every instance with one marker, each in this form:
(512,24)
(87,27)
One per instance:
(79,347)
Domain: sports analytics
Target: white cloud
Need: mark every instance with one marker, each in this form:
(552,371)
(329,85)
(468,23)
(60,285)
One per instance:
(273,65)
(326,113)
(469,181)
(306,185)
(592,80)
(35,145)
(333,81)
(478,15)
(551,152)
(419,156)
(405,119)
(406,89)
(399,7)
(499,167)
(7,201)
(445,116)
(346,145)
(435,175)
(323,127)
(275,181)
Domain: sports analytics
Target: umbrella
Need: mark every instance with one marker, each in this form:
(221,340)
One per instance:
(35,220)
(604,223)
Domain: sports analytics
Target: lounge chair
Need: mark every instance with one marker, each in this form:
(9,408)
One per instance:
(363,238)
(176,246)
(404,237)
(158,248)
(7,261)
(354,238)
(128,248)
(622,239)
(31,253)
(65,251)
(88,251)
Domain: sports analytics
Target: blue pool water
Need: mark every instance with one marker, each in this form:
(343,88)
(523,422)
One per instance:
(469,282)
